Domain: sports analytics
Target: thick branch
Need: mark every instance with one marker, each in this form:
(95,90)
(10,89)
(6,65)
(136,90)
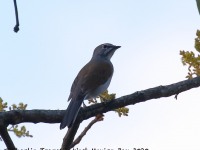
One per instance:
(139,96)
(34,116)
(55,116)
(6,138)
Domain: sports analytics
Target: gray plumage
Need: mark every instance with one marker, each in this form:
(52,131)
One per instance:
(93,79)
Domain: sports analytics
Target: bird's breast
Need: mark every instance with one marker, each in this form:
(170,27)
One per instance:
(100,89)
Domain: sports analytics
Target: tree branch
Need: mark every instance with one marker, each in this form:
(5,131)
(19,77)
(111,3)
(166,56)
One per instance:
(139,96)
(55,116)
(198,5)
(16,28)
(69,137)
(79,138)
(6,138)
(34,116)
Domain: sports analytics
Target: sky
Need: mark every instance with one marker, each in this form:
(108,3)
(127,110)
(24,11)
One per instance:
(57,38)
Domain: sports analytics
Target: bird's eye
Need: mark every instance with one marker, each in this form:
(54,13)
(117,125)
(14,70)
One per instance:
(105,46)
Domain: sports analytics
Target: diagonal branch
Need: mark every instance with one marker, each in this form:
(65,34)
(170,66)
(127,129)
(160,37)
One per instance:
(55,116)
(6,138)
(68,142)
(69,137)
(79,138)
(139,96)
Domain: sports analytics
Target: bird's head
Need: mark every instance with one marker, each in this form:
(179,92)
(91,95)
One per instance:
(105,50)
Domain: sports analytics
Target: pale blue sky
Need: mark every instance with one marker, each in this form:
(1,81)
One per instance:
(56,38)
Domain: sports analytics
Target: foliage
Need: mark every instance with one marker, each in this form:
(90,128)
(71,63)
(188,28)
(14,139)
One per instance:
(105,96)
(191,60)
(17,130)
(20,106)
(20,131)
(3,106)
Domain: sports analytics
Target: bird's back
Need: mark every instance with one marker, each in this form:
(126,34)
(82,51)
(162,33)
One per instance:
(92,80)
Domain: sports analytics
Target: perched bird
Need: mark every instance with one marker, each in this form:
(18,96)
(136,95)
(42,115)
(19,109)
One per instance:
(93,79)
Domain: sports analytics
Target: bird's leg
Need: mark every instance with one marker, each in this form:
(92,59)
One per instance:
(95,100)
(103,101)
(99,117)
(84,105)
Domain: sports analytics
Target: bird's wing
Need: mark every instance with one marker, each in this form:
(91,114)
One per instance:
(96,75)
(90,77)
(73,87)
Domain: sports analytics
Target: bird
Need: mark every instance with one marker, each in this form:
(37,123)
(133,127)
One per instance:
(93,79)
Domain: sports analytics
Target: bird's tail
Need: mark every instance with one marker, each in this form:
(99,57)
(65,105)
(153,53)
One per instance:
(71,113)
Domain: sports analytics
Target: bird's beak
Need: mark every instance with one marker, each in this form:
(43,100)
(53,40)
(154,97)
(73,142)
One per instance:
(116,47)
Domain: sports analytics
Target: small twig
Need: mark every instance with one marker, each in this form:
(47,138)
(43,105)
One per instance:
(176,96)
(6,138)
(16,28)
(79,138)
